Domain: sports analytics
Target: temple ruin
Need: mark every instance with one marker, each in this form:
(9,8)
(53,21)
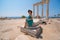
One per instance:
(37,7)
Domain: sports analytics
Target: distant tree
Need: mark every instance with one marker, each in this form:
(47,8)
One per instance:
(23,16)
(58,15)
(3,18)
(54,15)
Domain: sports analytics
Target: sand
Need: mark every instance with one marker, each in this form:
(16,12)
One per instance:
(10,30)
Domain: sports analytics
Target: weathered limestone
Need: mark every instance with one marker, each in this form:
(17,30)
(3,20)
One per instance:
(42,10)
(33,10)
(37,11)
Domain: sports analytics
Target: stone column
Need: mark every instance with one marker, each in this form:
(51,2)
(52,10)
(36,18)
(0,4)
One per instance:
(42,7)
(37,11)
(42,10)
(47,9)
(33,11)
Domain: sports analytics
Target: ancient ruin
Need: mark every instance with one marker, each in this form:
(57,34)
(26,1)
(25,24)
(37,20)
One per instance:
(37,6)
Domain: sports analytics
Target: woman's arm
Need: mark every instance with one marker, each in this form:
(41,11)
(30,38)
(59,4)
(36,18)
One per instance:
(25,24)
(31,18)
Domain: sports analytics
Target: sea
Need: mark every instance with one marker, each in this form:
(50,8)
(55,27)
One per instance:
(26,17)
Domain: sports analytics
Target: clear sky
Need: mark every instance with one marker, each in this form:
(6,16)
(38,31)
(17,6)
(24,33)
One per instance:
(13,8)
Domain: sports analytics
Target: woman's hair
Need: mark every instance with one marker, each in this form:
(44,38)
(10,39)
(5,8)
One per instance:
(30,11)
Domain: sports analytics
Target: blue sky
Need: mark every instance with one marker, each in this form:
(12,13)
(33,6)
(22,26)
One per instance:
(13,8)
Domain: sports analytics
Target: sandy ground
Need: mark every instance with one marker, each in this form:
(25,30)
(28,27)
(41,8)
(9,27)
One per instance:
(9,30)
